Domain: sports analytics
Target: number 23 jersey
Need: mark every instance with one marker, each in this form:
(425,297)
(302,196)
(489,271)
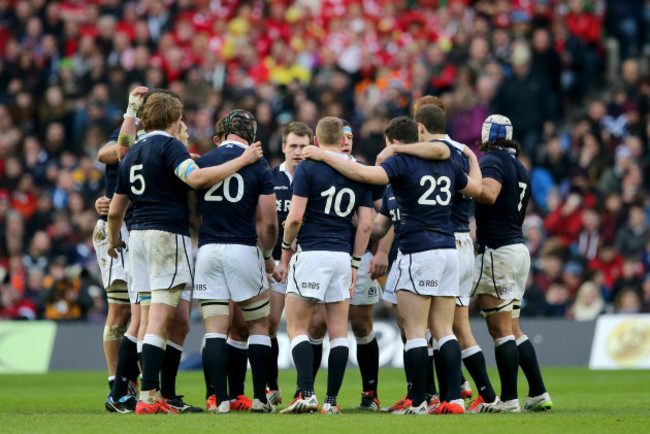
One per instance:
(424,191)
(332,199)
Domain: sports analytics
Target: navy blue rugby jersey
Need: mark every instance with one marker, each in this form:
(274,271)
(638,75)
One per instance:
(332,199)
(283,191)
(146,174)
(424,192)
(229,207)
(461,205)
(500,224)
(390,209)
(110,173)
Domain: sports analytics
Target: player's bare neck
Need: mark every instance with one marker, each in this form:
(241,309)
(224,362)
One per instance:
(331,148)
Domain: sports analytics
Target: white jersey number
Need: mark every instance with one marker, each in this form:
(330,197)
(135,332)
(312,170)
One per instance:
(523,186)
(337,197)
(394,215)
(443,183)
(211,197)
(136,177)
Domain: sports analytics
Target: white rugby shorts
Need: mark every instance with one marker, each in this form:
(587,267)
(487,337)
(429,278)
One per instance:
(229,272)
(160,260)
(391,282)
(279,287)
(321,275)
(502,272)
(432,273)
(367,291)
(112,270)
(465,250)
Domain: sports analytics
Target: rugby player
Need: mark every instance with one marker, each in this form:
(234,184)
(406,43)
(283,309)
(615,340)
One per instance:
(127,366)
(120,342)
(424,190)
(504,262)
(471,353)
(321,271)
(366,294)
(159,241)
(237,343)
(295,137)
(229,265)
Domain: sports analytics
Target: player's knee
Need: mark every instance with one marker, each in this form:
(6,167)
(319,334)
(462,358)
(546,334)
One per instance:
(361,327)
(114,332)
(274,325)
(317,330)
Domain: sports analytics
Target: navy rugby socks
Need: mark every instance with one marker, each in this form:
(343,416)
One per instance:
(368,360)
(272,381)
(416,359)
(336,363)
(450,367)
(530,366)
(169,370)
(303,359)
(259,352)
(474,361)
(507,358)
(216,359)
(237,364)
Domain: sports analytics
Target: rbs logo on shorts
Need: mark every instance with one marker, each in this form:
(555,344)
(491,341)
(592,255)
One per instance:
(310,285)
(200,287)
(429,283)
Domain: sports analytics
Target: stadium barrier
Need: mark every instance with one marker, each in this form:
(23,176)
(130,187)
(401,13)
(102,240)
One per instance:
(621,342)
(36,347)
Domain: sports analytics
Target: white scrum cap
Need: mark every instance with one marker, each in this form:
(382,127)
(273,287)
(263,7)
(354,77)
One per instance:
(496,127)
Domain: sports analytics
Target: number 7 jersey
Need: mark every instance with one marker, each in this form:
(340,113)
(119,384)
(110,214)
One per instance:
(332,199)
(229,207)
(500,224)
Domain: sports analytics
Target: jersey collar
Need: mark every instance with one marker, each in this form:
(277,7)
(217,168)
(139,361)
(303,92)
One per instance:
(341,155)
(233,142)
(154,133)
(283,168)
(454,143)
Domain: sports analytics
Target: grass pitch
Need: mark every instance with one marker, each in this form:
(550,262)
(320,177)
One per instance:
(585,401)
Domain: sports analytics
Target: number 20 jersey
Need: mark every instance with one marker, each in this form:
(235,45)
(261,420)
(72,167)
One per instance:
(500,224)
(332,199)
(229,207)
(146,176)
(424,191)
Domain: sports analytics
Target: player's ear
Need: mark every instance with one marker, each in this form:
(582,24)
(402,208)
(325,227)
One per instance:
(215,139)
(396,142)
(284,147)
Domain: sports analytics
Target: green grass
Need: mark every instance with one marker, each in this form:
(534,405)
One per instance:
(585,401)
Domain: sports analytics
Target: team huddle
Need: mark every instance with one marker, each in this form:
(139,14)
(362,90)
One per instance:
(310,238)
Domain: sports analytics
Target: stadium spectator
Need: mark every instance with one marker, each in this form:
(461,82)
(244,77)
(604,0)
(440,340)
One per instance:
(589,303)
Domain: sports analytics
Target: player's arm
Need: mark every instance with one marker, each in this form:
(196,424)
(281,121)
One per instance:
(424,150)
(127,132)
(492,181)
(474,185)
(268,228)
(379,262)
(116,213)
(350,169)
(206,177)
(381,226)
(490,191)
(108,153)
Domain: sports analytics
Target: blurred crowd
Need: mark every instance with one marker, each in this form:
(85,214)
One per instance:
(571,74)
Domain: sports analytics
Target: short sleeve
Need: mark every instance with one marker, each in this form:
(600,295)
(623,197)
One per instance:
(395,167)
(377,192)
(460,178)
(121,187)
(267,186)
(491,167)
(301,180)
(366,197)
(174,153)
